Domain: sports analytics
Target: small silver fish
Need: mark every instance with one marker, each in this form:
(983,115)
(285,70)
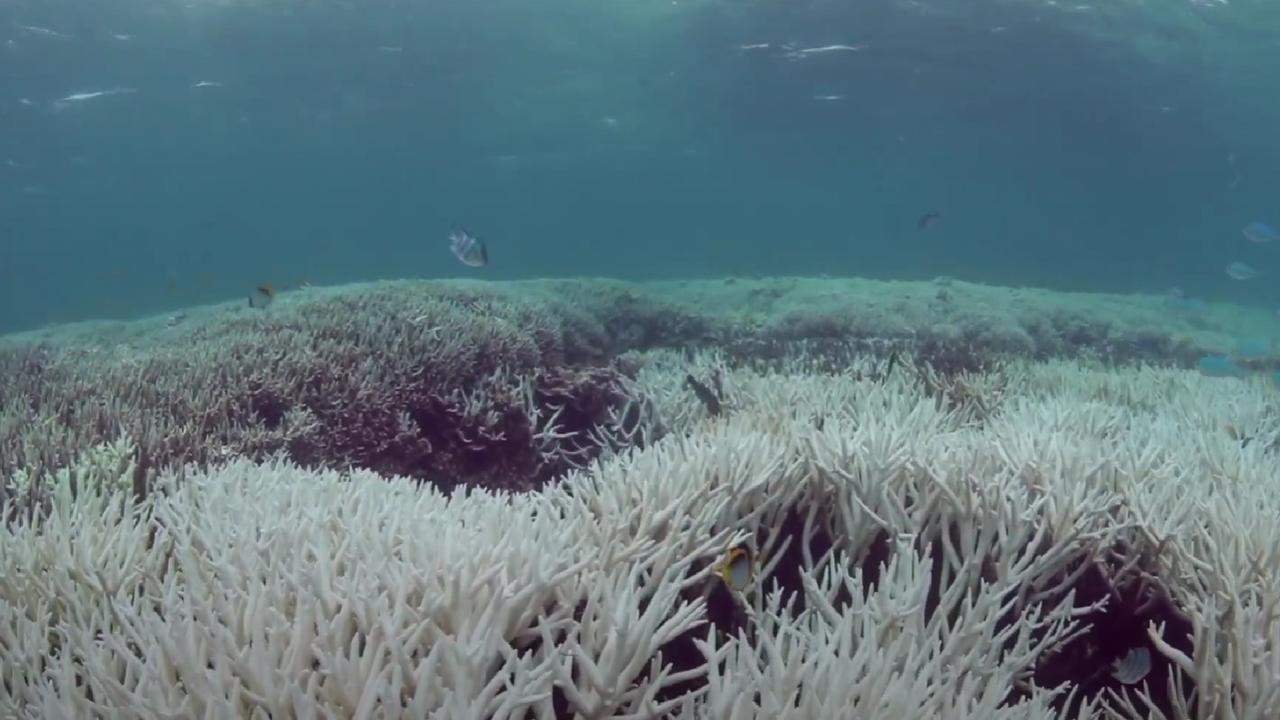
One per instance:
(1133,666)
(1260,233)
(831,48)
(37,30)
(469,249)
(1239,271)
(82,96)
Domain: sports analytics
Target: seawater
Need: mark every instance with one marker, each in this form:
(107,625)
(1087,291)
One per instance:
(1104,146)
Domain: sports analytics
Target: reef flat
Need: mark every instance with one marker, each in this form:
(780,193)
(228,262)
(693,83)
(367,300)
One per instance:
(456,381)
(463,499)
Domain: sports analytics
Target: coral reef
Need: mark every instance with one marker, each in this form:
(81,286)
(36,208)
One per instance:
(913,562)
(509,385)
(468,385)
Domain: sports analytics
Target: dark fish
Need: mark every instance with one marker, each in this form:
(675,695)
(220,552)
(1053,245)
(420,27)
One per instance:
(469,249)
(927,219)
(708,397)
(262,296)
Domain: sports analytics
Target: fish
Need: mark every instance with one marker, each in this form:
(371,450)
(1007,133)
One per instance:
(82,96)
(261,297)
(1183,305)
(469,249)
(737,568)
(1240,271)
(828,98)
(792,53)
(709,398)
(1258,232)
(206,83)
(37,30)
(754,46)
(1254,348)
(830,49)
(1220,366)
(1133,666)
(927,219)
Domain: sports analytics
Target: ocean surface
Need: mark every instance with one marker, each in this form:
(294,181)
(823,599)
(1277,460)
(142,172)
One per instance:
(158,155)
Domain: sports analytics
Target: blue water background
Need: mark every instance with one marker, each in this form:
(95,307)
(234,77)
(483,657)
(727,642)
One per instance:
(1074,146)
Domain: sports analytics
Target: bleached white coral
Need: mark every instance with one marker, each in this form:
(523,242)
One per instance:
(913,533)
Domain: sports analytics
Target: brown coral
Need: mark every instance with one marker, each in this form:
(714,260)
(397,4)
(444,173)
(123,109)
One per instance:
(386,380)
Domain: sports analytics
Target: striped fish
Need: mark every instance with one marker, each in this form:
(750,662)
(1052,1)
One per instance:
(737,568)
(469,249)
(262,296)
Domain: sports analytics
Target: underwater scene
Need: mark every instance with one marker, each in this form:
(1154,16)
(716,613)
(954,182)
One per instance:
(689,359)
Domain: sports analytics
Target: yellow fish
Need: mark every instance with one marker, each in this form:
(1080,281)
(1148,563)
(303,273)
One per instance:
(737,568)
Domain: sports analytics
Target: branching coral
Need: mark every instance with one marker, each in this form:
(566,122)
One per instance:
(427,387)
(911,563)
(404,377)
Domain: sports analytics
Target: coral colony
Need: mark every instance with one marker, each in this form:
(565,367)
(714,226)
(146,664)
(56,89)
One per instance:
(722,499)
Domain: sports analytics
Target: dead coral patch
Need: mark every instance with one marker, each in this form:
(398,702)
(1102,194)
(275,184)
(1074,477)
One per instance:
(379,376)
(460,386)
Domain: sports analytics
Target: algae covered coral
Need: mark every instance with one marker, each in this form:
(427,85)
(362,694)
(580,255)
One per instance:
(462,382)
(976,529)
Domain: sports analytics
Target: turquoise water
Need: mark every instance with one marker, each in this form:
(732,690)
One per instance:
(1113,146)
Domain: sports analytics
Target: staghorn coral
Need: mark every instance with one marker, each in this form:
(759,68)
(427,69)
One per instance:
(422,386)
(432,380)
(912,564)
